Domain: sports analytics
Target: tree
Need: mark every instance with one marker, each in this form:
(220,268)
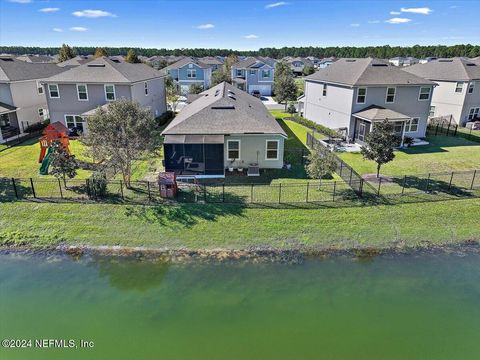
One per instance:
(220,76)
(122,133)
(308,70)
(195,88)
(132,57)
(172,93)
(284,84)
(99,52)
(320,162)
(65,53)
(62,164)
(379,144)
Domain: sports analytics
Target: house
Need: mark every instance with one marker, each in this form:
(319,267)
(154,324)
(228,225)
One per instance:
(22,98)
(297,65)
(458,90)
(426,60)
(353,94)
(403,61)
(224,128)
(188,71)
(254,74)
(214,62)
(76,61)
(314,60)
(325,62)
(74,94)
(36,58)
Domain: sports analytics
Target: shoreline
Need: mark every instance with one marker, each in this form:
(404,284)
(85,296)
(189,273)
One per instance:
(255,254)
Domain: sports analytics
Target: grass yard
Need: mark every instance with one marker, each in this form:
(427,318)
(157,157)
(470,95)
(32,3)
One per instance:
(443,154)
(473,135)
(231,226)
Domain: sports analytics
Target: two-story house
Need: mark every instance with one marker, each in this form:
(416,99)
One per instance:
(458,91)
(188,71)
(22,98)
(353,94)
(254,74)
(76,93)
(213,61)
(326,62)
(298,64)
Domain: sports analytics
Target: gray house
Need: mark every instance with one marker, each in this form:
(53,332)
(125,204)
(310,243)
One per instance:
(74,94)
(353,94)
(225,128)
(458,92)
(254,74)
(22,97)
(298,64)
(188,71)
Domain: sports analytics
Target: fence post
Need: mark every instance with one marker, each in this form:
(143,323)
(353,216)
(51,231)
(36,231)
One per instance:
(379,186)
(279,193)
(473,179)
(360,189)
(428,183)
(15,187)
(306,198)
(33,188)
(455,131)
(60,188)
(436,130)
(341,168)
(404,182)
(121,188)
(450,183)
(251,194)
(87,184)
(448,129)
(223,192)
(351,173)
(149,193)
(334,190)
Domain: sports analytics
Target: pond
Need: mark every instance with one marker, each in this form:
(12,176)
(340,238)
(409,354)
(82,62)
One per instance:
(390,307)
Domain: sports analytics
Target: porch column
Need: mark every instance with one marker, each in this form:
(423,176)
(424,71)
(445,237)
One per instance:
(403,134)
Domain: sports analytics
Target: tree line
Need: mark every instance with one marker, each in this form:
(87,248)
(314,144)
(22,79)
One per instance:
(385,51)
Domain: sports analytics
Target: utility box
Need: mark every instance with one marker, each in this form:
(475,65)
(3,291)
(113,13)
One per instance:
(167,183)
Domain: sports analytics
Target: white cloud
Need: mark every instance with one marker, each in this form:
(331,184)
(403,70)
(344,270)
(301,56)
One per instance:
(422,10)
(277,4)
(453,7)
(205,26)
(49,10)
(251,36)
(57,30)
(374,22)
(78,28)
(21,1)
(355,25)
(398,20)
(93,13)
(395,12)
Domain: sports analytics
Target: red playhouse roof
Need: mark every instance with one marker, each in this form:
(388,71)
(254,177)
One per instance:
(56,126)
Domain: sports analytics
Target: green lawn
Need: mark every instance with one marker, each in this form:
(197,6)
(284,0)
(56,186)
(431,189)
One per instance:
(443,154)
(231,226)
(473,135)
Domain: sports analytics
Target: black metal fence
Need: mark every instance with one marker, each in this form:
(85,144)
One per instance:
(445,126)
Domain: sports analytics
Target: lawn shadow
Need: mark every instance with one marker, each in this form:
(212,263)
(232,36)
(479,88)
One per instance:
(438,144)
(10,193)
(429,185)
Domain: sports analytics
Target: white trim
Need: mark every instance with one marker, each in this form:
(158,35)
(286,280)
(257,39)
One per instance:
(75,120)
(429,93)
(40,86)
(394,95)
(114,92)
(266,148)
(456,87)
(50,93)
(408,124)
(78,93)
(324,89)
(42,115)
(471,86)
(239,149)
(358,92)
(193,72)
(473,113)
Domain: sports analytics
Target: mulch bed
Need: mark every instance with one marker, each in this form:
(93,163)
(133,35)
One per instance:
(372,178)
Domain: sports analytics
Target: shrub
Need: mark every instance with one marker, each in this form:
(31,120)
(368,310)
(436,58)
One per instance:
(314,126)
(408,140)
(37,126)
(291,108)
(165,118)
(98,183)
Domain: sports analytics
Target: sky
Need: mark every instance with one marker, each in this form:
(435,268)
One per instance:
(240,25)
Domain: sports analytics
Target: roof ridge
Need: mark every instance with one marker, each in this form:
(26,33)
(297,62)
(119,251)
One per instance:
(111,64)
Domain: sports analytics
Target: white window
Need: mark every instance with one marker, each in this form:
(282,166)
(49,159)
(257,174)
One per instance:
(431,113)
(252,72)
(233,149)
(74,122)
(82,92)
(41,112)
(324,91)
(110,92)
(239,72)
(411,125)
(271,150)
(390,97)
(191,73)
(424,93)
(53,91)
(145,84)
(39,88)
(474,113)
(471,86)
(265,73)
(361,95)
(459,87)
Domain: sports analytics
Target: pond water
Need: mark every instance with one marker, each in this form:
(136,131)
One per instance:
(391,307)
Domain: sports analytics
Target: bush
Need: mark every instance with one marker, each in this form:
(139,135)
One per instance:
(291,108)
(407,140)
(37,126)
(98,183)
(314,126)
(165,118)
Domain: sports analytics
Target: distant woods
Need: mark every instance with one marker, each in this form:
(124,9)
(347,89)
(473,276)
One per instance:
(418,51)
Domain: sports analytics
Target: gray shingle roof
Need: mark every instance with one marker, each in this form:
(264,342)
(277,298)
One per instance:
(224,109)
(377,113)
(455,69)
(104,70)
(17,70)
(36,58)
(250,61)
(210,60)
(367,71)
(185,61)
(76,61)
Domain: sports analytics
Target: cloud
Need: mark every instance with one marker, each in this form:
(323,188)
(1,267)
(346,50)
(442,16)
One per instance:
(57,30)
(205,26)
(78,28)
(452,37)
(422,10)
(355,25)
(395,12)
(277,4)
(398,20)
(93,13)
(374,22)
(49,10)
(251,36)
(453,7)
(21,1)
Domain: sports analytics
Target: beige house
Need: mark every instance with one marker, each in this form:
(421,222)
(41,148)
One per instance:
(458,91)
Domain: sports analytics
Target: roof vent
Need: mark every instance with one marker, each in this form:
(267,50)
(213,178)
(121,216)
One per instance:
(96,65)
(471,64)
(382,65)
(231,92)
(6,59)
(445,60)
(350,60)
(217,92)
(231,97)
(116,61)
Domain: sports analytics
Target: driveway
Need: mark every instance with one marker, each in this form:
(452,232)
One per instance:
(271,104)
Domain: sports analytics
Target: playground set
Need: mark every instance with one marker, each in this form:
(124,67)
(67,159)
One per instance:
(55,132)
